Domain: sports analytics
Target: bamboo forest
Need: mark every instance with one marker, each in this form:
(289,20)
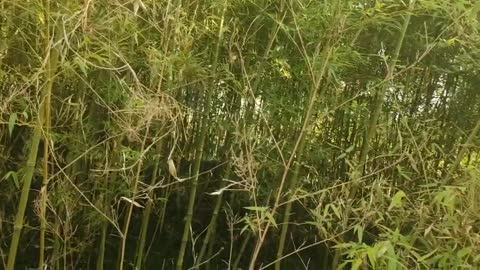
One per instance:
(239,134)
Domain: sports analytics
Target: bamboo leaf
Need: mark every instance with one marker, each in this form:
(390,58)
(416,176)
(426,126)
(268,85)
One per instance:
(359,230)
(271,219)
(257,208)
(342,155)
(397,200)
(336,211)
(392,258)
(357,263)
(14,176)
(131,201)
(11,123)
(171,168)
(372,255)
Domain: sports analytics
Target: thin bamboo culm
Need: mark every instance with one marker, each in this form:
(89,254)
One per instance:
(200,145)
(42,119)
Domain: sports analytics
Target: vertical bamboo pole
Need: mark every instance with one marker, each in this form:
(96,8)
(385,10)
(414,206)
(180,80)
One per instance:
(299,153)
(213,221)
(461,154)
(139,260)
(51,68)
(134,189)
(46,148)
(372,126)
(105,200)
(200,143)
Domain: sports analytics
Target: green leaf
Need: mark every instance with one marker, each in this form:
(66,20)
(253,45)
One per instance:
(248,224)
(257,208)
(11,123)
(271,219)
(402,173)
(382,247)
(463,252)
(372,256)
(356,264)
(81,64)
(359,230)
(350,149)
(392,258)
(336,211)
(14,176)
(426,256)
(342,155)
(397,200)
(343,245)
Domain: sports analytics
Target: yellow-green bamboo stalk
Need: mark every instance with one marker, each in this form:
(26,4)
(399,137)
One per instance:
(200,144)
(213,221)
(134,189)
(242,250)
(105,200)
(196,169)
(101,249)
(44,188)
(461,154)
(299,153)
(139,260)
(51,68)
(372,126)
(46,149)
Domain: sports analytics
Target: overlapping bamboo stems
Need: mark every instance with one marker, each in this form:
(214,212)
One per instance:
(201,142)
(139,257)
(105,200)
(461,154)
(380,95)
(52,55)
(139,260)
(207,244)
(372,125)
(46,150)
(296,154)
(133,192)
(213,221)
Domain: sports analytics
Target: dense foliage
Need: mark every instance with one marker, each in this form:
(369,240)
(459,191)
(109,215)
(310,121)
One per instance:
(228,134)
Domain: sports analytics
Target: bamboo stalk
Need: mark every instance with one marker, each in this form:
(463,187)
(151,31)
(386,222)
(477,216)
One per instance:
(372,126)
(44,188)
(105,200)
(139,260)
(380,99)
(46,151)
(461,154)
(242,250)
(213,221)
(299,154)
(196,169)
(101,248)
(200,145)
(51,68)
(134,189)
